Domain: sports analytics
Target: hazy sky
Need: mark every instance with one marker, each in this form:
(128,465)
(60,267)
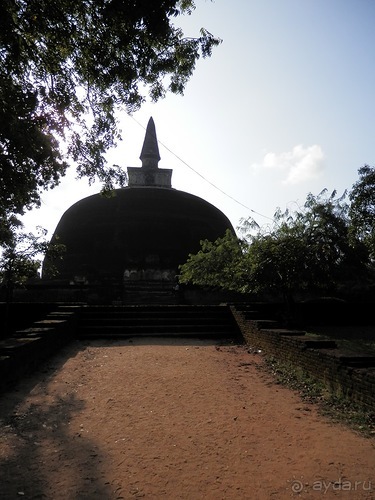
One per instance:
(285,106)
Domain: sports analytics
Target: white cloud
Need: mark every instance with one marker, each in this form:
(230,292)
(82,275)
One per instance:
(298,165)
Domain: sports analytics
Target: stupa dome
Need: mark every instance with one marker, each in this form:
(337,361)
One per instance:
(145,230)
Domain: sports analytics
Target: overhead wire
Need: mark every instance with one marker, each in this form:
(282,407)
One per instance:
(203,177)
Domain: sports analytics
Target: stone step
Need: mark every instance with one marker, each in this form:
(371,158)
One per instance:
(284,332)
(150,313)
(150,298)
(142,328)
(264,324)
(154,321)
(316,343)
(125,321)
(262,307)
(120,333)
(358,360)
(120,312)
(153,308)
(13,344)
(251,314)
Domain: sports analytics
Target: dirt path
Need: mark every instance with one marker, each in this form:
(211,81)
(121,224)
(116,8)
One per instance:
(171,420)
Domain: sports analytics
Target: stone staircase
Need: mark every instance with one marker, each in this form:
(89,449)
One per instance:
(124,321)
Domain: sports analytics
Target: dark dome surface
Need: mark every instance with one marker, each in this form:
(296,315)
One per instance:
(139,227)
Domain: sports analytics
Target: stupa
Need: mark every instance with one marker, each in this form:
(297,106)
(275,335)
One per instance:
(142,232)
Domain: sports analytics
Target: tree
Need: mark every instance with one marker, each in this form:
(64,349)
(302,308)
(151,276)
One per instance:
(19,258)
(362,208)
(216,264)
(66,69)
(307,250)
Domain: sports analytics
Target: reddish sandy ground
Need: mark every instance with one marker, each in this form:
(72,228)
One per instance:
(162,419)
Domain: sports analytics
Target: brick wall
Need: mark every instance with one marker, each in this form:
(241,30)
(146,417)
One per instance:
(26,349)
(344,374)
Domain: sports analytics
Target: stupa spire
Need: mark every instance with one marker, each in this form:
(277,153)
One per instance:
(150,174)
(150,156)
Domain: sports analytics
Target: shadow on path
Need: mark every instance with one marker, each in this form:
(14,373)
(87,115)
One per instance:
(35,430)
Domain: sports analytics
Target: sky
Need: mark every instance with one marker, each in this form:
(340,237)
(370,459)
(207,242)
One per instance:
(284,107)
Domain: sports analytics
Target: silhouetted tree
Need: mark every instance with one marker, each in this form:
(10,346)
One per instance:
(306,250)
(66,68)
(217,264)
(362,208)
(19,258)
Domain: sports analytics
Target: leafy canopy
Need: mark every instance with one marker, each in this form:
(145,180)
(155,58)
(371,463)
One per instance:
(217,264)
(309,249)
(19,257)
(66,68)
(362,208)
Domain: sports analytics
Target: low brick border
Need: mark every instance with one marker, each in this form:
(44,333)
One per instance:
(28,348)
(345,374)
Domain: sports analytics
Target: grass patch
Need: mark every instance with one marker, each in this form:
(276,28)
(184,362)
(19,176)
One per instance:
(357,346)
(356,339)
(312,390)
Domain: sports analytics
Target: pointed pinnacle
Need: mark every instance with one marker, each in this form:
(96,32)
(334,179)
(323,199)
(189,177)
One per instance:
(150,156)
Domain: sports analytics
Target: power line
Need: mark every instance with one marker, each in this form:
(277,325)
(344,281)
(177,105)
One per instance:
(202,176)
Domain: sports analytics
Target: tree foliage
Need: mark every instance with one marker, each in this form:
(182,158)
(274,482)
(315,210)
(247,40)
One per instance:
(66,68)
(216,264)
(362,208)
(19,257)
(306,250)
